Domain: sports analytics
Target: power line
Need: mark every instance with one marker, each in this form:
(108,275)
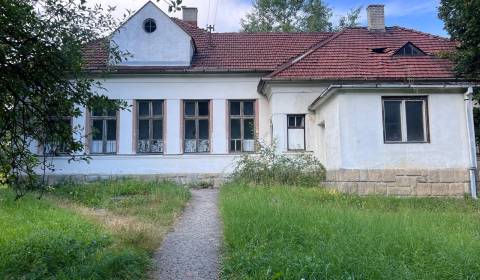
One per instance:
(216,10)
(208,13)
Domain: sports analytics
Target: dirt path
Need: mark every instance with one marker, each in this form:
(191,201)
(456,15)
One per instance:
(191,250)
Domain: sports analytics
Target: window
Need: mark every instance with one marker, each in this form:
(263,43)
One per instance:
(53,147)
(149,25)
(296,132)
(242,125)
(150,126)
(104,131)
(196,126)
(409,49)
(405,119)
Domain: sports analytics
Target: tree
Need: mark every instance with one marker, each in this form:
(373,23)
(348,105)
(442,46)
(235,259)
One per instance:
(42,81)
(462,22)
(294,16)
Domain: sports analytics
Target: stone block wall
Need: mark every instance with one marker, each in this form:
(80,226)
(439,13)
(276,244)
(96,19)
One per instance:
(400,182)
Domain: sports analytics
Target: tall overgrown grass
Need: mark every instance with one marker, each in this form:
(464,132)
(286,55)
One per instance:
(311,233)
(267,167)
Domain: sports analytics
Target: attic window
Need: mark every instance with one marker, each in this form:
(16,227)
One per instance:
(409,49)
(149,25)
(379,50)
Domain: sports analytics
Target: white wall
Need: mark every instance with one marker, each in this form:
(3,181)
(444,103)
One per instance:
(288,99)
(173,90)
(168,45)
(357,140)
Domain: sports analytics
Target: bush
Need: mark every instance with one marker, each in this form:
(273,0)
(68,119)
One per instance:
(268,167)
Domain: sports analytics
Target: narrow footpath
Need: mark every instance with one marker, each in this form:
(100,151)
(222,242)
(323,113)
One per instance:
(191,250)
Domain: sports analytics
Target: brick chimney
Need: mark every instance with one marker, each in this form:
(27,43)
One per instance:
(190,15)
(376,18)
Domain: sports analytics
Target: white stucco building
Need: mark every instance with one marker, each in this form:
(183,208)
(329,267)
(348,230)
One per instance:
(377,105)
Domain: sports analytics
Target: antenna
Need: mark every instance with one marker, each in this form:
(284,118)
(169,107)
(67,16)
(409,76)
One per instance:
(210,28)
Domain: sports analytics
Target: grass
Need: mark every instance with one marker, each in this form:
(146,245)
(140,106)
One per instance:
(309,233)
(101,230)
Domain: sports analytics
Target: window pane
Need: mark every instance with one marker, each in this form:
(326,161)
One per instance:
(203,108)
(414,114)
(234,108)
(235,129)
(190,129)
(393,127)
(157,107)
(143,108)
(97,112)
(236,145)
(97,130)
(248,129)
(157,129)
(203,129)
(111,113)
(248,108)
(291,121)
(300,121)
(189,108)
(111,129)
(143,129)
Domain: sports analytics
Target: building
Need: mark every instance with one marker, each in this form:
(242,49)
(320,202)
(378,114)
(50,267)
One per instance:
(379,106)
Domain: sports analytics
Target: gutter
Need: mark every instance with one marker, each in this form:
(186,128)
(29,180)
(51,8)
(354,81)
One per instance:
(330,89)
(471,142)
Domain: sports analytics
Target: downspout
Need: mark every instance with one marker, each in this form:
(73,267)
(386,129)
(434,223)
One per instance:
(471,141)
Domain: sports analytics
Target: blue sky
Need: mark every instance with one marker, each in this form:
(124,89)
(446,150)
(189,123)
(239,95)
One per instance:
(416,14)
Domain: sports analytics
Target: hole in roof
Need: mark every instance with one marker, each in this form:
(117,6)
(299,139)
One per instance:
(379,50)
(409,49)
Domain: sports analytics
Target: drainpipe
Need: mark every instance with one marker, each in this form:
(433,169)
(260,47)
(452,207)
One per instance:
(471,141)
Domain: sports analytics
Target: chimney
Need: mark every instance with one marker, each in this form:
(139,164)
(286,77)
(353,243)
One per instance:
(376,18)
(190,15)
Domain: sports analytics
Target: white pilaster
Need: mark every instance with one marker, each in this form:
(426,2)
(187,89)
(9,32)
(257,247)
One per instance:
(173,135)
(219,127)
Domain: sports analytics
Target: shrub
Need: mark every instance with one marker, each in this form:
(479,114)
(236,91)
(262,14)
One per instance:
(268,167)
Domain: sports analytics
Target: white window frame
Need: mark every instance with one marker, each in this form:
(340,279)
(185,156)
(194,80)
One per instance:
(403,118)
(296,128)
(104,119)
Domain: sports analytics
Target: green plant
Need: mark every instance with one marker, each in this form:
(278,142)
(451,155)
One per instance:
(269,167)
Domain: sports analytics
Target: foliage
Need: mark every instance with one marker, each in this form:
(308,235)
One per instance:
(312,233)
(41,241)
(462,22)
(42,81)
(99,230)
(294,16)
(269,167)
(159,202)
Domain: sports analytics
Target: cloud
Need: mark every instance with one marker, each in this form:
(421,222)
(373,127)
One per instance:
(227,16)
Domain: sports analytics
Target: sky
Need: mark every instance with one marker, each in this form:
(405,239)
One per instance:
(226,14)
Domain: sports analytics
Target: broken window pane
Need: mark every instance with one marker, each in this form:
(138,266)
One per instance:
(393,126)
(414,115)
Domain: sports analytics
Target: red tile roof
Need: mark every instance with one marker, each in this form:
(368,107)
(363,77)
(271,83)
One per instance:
(345,55)
(348,56)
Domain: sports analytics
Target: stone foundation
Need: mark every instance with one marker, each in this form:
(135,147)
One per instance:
(214,180)
(400,182)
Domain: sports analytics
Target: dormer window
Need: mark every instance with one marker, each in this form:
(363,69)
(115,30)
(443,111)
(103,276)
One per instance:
(149,25)
(409,49)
